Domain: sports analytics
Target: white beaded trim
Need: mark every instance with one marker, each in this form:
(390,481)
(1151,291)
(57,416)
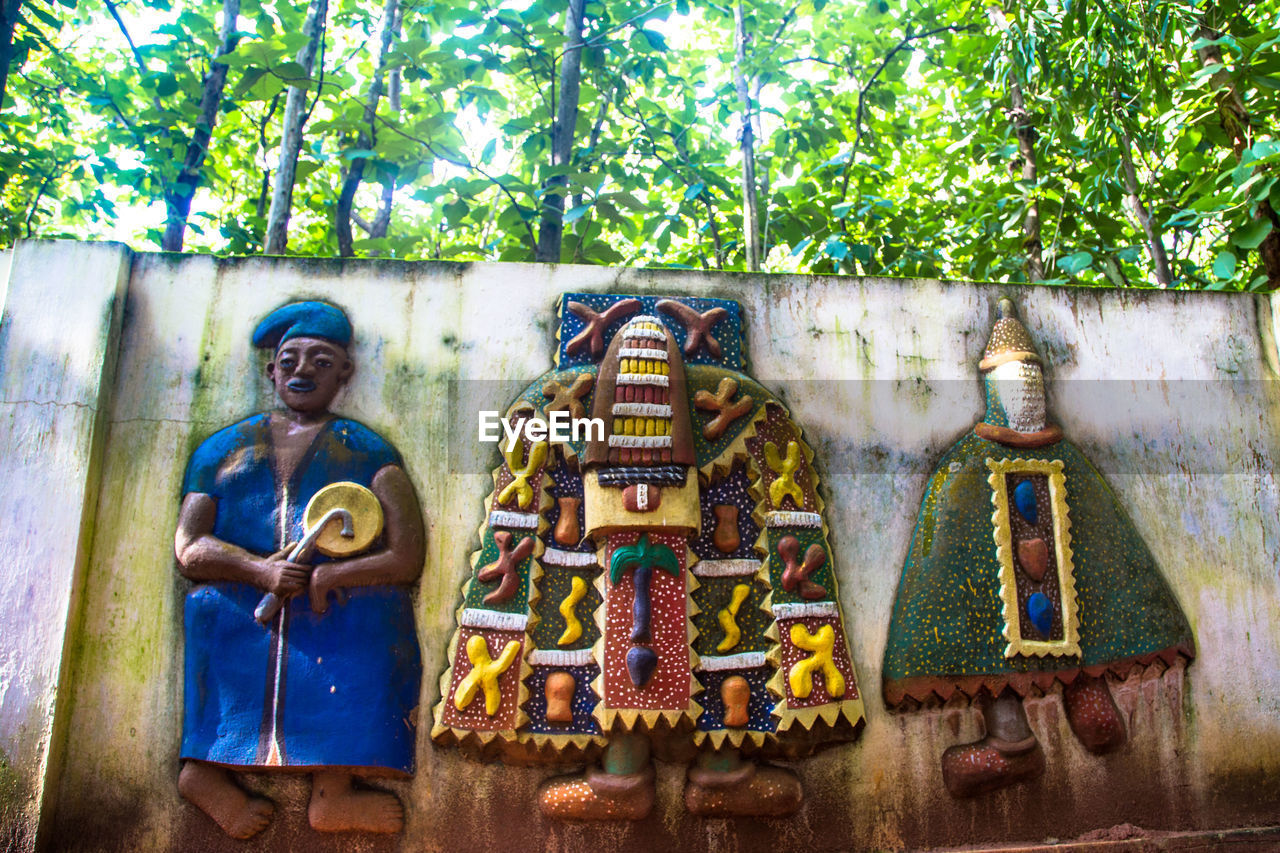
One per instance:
(493,620)
(559,657)
(641,441)
(651,334)
(726,568)
(507,518)
(744,660)
(804,610)
(572,559)
(793,519)
(641,410)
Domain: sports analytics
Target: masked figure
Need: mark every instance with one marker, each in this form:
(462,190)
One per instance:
(662,583)
(324,676)
(1024,573)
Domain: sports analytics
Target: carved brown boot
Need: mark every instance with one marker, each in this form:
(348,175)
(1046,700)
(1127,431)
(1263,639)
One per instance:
(597,795)
(751,790)
(1008,754)
(991,763)
(1093,715)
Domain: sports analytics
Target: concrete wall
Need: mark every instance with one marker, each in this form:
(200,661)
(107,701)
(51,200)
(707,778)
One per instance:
(1172,395)
(58,339)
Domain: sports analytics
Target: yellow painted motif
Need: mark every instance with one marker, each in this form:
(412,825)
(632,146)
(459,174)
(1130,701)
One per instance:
(784,484)
(732,633)
(822,644)
(573,627)
(1052,470)
(484,674)
(521,470)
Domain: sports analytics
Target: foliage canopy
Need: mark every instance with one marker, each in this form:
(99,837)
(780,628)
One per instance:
(1049,140)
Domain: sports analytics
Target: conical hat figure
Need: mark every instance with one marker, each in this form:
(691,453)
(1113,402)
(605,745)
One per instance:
(1024,573)
(661,583)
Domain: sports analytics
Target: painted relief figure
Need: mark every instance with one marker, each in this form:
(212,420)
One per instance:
(303,536)
(661,585)
(1025,574)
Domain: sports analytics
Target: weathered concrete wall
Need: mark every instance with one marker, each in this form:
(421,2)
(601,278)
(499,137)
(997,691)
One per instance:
(882,376)
(58,340)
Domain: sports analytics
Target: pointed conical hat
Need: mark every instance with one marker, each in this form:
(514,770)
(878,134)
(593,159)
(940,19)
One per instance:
(1009,340)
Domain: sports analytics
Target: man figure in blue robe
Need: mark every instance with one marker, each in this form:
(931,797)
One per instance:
(330,685)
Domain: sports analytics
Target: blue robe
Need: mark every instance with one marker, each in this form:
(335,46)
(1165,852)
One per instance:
(349,678)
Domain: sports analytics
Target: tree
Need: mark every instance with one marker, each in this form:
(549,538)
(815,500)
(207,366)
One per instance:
(8,20)
(291,136)
(178,193)
(563,131)
(1125,143)
(367,134)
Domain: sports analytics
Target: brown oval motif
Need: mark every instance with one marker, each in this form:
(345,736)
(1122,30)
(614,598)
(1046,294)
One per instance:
(1033,557)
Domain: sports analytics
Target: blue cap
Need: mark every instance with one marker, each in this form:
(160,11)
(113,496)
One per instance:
(303,320)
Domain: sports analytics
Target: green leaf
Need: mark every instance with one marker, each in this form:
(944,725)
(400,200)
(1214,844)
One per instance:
(835,248)
(1224,266)
(291,73)
(694,191)
(1252,235)
(247,80)
(304,170)
(1075,262)
(576,213)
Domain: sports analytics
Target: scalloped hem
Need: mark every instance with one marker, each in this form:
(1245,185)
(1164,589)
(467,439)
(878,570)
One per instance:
(929,689)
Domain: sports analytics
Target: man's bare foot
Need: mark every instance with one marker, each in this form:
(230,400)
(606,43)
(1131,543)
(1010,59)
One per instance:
(337,806)
(212,790)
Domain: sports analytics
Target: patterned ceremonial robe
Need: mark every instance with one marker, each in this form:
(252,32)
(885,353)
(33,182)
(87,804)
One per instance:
(1024,570)
(640,575)
(332,689)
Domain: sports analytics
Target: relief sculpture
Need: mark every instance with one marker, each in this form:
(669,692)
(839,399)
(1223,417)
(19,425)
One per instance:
(664,586)
(1025,575)
(303,536)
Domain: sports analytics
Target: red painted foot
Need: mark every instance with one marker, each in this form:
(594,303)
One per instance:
(1093,714)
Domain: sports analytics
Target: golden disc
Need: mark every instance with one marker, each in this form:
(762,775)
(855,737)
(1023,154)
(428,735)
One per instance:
(366,518)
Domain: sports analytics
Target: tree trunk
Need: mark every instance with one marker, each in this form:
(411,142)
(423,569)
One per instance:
(382,221)
(762,178)
(1236,121)
(8,18)
(750,216)
(1155,240)
(1027,135)
(178,195)
(367,136)
(551,218)
(291,134)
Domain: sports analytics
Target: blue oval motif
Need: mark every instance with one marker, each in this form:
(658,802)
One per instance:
(1040,609)
(1024,498)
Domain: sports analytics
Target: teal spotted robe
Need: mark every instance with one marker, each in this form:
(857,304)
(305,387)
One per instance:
(952,624)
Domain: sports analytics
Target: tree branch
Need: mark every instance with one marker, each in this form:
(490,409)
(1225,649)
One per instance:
(904,44)
(597,38)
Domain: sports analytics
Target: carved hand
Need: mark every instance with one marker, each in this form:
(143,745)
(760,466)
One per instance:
(280,576)
(324,578)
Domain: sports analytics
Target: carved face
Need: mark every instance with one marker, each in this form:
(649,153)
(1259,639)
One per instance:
(1020,385)
(308,373)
